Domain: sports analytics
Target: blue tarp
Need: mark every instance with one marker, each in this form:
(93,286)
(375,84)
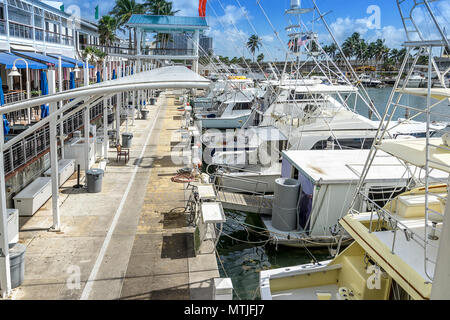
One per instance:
(99,79)
(45,59)
(44,91)
(71,60)
(8,59)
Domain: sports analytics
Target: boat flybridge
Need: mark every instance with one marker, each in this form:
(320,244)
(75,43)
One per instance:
(232,113)
(401,244)
(219,91)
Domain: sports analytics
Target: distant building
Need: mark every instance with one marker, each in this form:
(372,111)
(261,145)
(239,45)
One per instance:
(206,45)
(182,41)
(32,25)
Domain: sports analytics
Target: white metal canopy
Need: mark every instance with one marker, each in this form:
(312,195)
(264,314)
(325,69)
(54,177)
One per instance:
(173,77)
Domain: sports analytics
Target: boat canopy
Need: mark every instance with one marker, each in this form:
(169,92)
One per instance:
(241,97)
(346,166)
(7,59)
(436,93)
(45,59)
(321,88)
(71,60)
(174,77)
(414,150)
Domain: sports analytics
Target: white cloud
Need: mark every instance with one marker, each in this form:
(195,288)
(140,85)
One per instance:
(267,38)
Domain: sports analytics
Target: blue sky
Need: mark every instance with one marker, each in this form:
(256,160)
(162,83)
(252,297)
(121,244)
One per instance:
(231,21)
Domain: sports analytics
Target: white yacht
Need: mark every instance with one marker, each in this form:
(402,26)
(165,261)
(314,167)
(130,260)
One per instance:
(231,113)
(415,81)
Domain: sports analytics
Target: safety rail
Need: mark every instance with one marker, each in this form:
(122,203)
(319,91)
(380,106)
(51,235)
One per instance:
(218,178)
(15,96)
(167,52)
(38,142)
(377,212)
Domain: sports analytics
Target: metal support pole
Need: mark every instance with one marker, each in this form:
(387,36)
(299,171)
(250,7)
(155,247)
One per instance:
(118,105)
(28,92)
(5,274)
(54,154)
(86,72)
(105,116)
(87,123)
(439,289)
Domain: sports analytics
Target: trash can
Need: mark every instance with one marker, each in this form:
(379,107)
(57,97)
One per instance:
(94,180)
(152,101)
(144,114)
(126,140)
(17,264)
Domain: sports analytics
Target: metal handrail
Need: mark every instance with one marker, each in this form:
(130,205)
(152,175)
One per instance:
(38,142)
(383,213)
(255,193)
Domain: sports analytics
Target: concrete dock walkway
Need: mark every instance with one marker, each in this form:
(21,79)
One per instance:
(130,241)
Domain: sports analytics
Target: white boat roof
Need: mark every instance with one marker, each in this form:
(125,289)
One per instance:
(267,133)
(319,88)
(436,93)
(413,151)
(173,77)
(345,166)
(241,97)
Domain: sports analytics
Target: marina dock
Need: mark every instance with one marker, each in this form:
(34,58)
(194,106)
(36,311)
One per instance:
(127,242)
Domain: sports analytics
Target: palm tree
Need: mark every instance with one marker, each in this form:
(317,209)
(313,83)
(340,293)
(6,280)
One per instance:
(107,30)
(253,44)
(123,10)
(381,51)
(260,58)
(361,51)
(331,50)
(160,7)
(351,44)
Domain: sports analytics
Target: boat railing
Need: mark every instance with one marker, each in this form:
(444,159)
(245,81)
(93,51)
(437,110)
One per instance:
(379,214)
(257,189)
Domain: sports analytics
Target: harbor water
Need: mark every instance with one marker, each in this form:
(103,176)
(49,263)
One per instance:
(243,246)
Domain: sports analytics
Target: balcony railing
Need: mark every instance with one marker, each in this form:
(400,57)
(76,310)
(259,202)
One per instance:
(14,96)
(2,27)
(110,49)
(167,52)
(39,34)
(20,30)
(52,37)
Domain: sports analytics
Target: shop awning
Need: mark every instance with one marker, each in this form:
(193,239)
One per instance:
(44,59)
(71,60)
(7,59)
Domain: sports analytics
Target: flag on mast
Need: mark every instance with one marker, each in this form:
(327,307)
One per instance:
(96,12)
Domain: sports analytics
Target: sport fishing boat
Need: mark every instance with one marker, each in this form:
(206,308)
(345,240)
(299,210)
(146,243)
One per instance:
(231,113)
(400,245)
